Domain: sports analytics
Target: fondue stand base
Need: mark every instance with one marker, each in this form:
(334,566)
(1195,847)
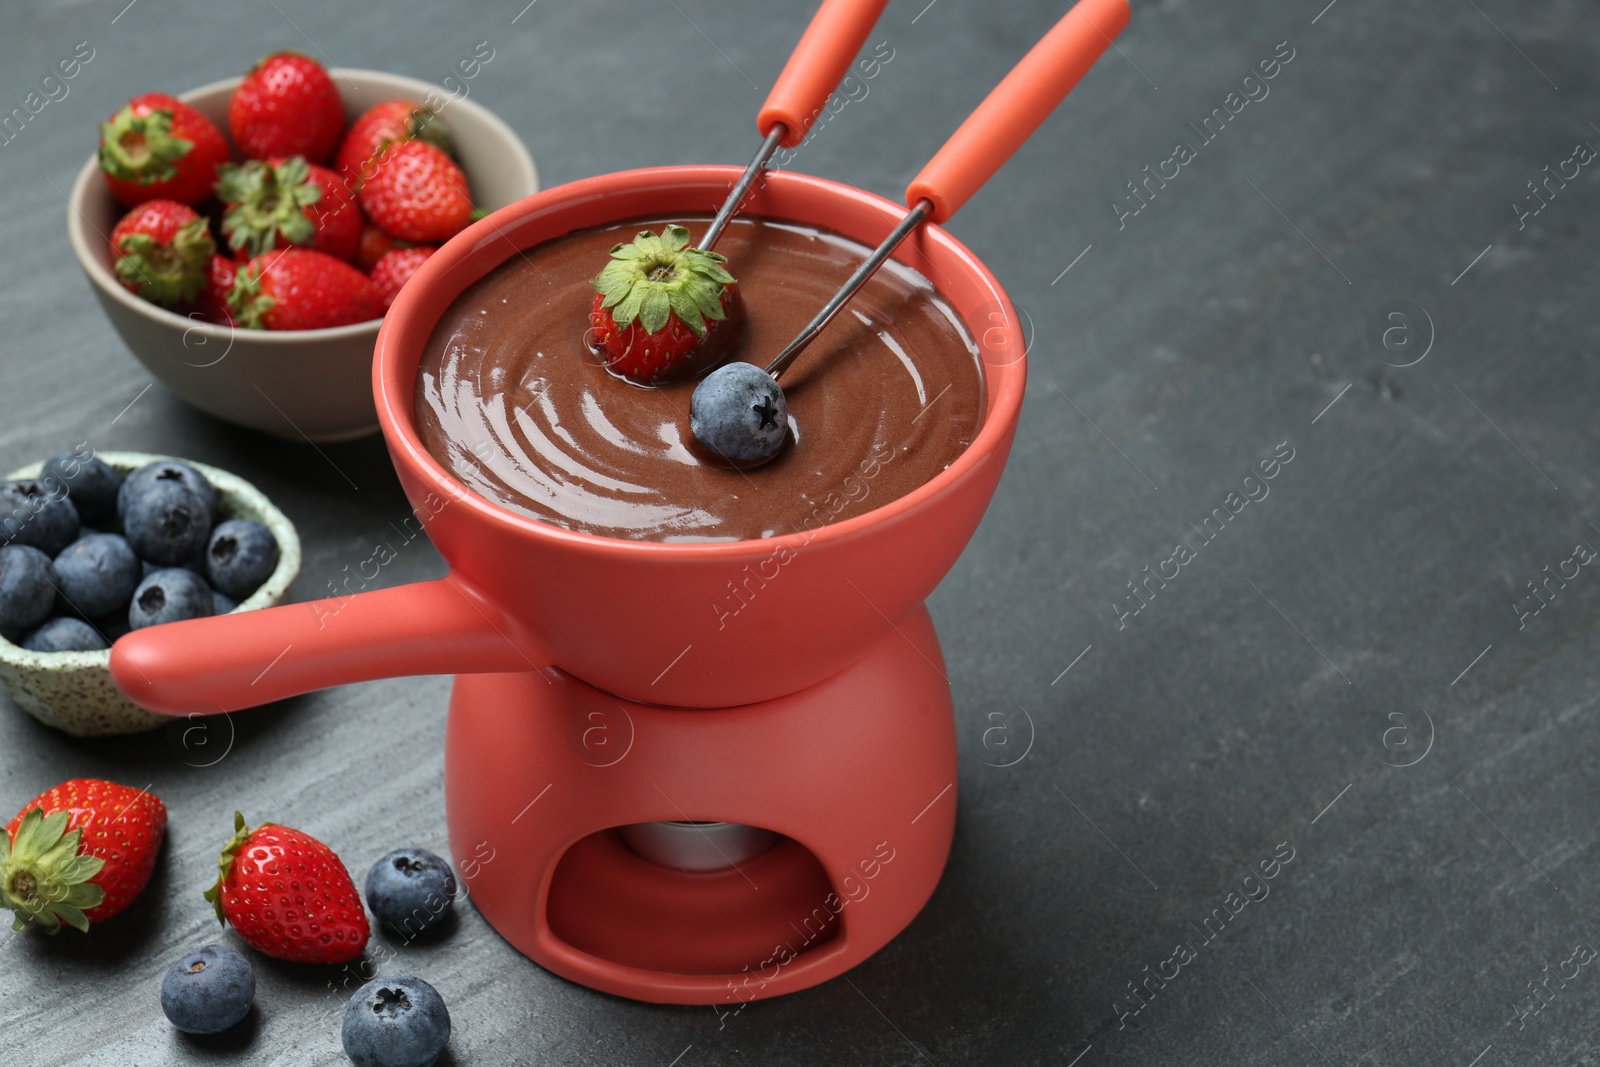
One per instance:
(856,773)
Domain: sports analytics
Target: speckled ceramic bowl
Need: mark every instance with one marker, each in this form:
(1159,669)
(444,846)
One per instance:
(73,691)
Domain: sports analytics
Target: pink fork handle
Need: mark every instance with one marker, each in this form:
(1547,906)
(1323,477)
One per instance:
(1016,107)
(818,62)
(230,662)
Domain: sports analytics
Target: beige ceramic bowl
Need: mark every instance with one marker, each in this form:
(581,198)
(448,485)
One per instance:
(73,691)
(304,384)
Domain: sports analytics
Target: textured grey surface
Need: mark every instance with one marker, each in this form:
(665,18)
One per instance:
(1252,702)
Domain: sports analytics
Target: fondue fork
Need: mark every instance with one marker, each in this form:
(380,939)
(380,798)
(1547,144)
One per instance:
(819,60)
(738,411)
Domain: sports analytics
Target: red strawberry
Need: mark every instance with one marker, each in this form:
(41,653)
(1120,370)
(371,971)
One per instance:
(281,202)
(212,300)
(300,289)
(663,309)
(417,193)
(388,123)
(79,853)
(395,269)
(286,106)
(162,250)
(374,243)
(288,896)
(159,148)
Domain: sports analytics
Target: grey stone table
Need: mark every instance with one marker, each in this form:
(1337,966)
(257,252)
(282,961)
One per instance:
(1352,687)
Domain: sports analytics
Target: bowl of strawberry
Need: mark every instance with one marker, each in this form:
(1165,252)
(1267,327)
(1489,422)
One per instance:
(245,238)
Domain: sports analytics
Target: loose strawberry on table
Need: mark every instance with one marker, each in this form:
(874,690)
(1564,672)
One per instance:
(391,122)
(279,202)
(663,309)
(417,194)
(302,289)
(79,853)
(287,895)
(156,147)
(286,106)
(162,251)
(395,268)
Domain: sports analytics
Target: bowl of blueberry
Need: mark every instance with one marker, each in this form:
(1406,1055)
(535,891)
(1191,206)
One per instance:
(93,546)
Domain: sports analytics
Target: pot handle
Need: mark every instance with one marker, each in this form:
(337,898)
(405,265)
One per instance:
(228,662)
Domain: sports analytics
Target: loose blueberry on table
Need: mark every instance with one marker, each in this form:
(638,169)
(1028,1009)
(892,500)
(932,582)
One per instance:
(208,990)
(397,1021)
(411,890)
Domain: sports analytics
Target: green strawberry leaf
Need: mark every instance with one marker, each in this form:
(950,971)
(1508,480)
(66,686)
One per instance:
(171,274)
(655,308)
(687,308)
(266,202)
(241,834)
(43,879)
(613,283)
(657,277)
(141,148)
(628,308)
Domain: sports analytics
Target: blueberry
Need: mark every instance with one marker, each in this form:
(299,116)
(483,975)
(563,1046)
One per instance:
(197,564)
(411,890)
(166,522)
(165,470)
(27,587)
(738,412)
(111,626)
(65,634)
(97,574)
(395,1022)
(220,604)
(170,595)
(208,990)
(32,513)
(91,483)
(241,556)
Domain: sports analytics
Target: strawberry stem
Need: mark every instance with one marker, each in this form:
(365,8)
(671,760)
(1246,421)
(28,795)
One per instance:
(265,201)
(241,834)
(141,148)
(653,278)
(248,303)
(168,274)
(43,879)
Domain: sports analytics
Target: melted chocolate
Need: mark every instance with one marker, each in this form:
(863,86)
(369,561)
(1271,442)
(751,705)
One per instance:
(512,401)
